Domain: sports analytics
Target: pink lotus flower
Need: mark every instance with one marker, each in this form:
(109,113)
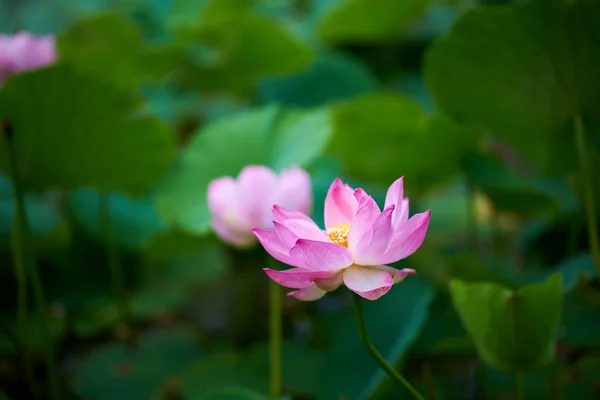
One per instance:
(23,51)
(239,205)
(360,239)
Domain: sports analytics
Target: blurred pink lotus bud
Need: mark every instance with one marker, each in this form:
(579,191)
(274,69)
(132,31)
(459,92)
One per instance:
(359,240)
(239,205)
(23,51)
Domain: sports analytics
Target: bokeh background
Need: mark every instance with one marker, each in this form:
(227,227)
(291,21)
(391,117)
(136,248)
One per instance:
(476,103)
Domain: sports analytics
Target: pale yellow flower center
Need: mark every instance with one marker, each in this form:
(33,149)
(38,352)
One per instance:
(339,234)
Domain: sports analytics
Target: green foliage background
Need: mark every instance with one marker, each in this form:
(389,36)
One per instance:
(475,102)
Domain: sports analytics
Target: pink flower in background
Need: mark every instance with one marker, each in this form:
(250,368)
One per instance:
(23,51)
(239,205)
(360,239)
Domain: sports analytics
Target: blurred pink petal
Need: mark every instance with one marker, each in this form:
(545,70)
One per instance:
(23,51)
(340,204)
(257,188)
(222,194)
(309,293)
(368,283)
(295,191)
(231,235)
(320,256)
(230,220)
(239,205)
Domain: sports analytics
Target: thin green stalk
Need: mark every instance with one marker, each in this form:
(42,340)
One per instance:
(22,315)
(28,255)
(49,347)
(588,187)
(117,274)
(364,336)
(275,316)
(21,277)
(520,377)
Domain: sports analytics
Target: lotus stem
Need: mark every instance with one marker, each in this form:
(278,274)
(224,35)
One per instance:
(364,336)
(30,263)
(117,274)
